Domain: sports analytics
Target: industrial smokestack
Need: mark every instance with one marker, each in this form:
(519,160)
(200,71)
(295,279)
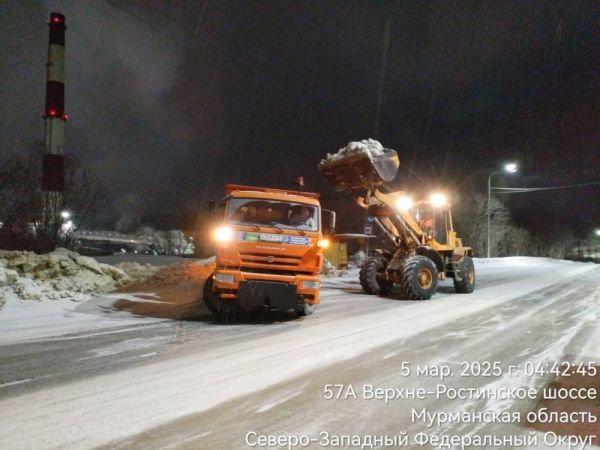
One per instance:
(55,118)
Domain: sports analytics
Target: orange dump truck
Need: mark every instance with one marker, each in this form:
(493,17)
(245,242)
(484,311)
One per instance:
(268,251)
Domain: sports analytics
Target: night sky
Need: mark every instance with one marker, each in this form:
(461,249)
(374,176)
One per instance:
(170,100)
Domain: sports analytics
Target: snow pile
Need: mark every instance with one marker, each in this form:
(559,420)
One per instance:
(357,259)
(370,147)
(61,274)
(330,271)
(137,271)
(327,269)
(174,274)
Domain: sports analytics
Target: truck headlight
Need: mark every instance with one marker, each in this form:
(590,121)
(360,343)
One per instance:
(223,234)
(323,243)
(311,284)
(224,278)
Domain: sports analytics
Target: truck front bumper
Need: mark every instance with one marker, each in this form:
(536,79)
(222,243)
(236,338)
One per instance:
(268,295)
(254,290)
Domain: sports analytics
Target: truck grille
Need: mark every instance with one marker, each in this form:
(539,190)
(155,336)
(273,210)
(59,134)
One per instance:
(276,260)
(291,273)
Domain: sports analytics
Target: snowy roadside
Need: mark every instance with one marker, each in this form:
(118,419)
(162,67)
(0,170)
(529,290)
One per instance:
(63,292)
(195,382)
(62,274)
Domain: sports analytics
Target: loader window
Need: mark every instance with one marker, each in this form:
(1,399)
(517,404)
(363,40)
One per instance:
(432,220)
(424,217)
(440,226)
(285,215)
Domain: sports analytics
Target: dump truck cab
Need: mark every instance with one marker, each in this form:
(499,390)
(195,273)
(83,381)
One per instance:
(268,252)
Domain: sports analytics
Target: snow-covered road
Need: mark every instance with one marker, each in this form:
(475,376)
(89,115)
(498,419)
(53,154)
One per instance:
(175,384)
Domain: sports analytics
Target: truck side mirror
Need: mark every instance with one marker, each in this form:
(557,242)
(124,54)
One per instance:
(328,222)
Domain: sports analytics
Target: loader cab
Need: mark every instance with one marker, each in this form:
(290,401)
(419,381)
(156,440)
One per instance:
(434,221)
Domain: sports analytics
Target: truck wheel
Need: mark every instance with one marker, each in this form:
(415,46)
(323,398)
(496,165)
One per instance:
(224,311)
(419,277)
(372,277)
(467,284)
(306,310)
(208,295)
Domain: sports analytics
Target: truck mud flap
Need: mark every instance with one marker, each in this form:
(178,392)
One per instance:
(253,295)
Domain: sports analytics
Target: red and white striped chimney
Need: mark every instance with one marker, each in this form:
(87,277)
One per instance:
(55,118)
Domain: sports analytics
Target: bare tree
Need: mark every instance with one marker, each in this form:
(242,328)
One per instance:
(506,239)
(130,209)
(21,208)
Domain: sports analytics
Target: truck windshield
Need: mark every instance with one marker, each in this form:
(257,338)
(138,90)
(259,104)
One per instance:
(259,212)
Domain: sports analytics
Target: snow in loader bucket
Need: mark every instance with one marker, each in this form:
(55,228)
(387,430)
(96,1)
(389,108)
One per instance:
(360,164)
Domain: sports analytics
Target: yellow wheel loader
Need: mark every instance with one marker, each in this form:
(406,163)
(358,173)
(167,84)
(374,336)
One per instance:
(424,247)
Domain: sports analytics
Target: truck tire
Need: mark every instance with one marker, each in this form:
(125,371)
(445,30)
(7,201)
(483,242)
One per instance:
(371,279)
(419,277)
(466,285)
(223,311)
(306,310)
(207,294)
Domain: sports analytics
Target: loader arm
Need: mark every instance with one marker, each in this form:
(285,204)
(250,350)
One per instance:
(394,223)
(407,221)
(360,175)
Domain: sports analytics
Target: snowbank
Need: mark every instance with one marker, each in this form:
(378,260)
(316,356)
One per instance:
(137,271)
(370,147)
(62,274)
(153,260)
(357,259)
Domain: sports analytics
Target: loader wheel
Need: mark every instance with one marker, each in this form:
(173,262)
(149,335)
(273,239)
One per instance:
(467,284)
(419,277)
(372,277)
(225,311)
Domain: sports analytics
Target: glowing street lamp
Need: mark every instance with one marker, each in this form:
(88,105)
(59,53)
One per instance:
(510,168)
(65,215)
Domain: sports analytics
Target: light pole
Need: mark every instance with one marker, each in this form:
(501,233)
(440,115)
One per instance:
(508,168)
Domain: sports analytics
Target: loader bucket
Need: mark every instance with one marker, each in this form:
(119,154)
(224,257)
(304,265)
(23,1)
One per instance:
(360,170)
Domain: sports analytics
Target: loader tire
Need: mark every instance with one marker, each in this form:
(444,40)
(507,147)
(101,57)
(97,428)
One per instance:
(467,284)
(419,277)
(372,279)
(224,311)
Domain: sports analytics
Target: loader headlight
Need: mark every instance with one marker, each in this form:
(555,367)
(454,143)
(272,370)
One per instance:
(437,200)
(404,203)
(224,278)
(323,243)
(223,234)
(311,285)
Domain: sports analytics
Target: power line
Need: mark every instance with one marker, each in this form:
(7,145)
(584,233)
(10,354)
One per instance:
(534,189)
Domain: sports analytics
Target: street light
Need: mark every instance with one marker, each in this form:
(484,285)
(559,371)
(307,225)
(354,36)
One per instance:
(508,168)
(598,232)
(65,215)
